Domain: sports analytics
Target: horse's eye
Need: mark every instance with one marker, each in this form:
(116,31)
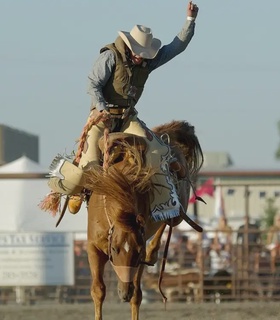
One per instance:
(116,250)
(142,231)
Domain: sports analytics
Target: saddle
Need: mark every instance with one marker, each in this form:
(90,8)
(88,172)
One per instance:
(117,141)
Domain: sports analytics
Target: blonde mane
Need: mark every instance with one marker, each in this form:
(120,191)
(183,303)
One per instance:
(123,184)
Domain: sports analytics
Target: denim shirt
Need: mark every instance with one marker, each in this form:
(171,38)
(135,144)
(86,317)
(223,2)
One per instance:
(105,63)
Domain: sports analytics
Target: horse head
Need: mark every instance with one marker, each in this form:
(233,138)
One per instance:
(127,251)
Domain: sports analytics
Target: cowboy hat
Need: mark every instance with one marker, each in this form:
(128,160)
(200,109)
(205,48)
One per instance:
(141,42)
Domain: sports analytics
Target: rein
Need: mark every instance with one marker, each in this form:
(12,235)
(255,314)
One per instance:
(163,263)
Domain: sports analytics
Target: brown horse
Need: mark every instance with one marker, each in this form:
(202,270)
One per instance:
(119,221)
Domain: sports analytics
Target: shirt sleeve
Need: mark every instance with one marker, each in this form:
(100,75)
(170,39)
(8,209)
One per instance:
(98,77)
(178,45)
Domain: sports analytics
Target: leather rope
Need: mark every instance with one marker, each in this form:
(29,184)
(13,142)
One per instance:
(163,263)
(106,149)
(90,122)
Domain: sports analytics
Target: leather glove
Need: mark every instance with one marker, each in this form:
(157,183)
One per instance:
(105,115)
(97,115)
(192,10)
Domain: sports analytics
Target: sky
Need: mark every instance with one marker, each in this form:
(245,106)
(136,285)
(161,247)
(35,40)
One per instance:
(226,83)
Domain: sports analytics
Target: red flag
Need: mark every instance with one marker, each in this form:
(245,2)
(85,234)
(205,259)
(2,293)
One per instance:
(206,189)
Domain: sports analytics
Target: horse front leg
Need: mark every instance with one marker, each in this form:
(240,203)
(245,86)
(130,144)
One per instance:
(97,261)
(154,245)
(136,299)
(150,258)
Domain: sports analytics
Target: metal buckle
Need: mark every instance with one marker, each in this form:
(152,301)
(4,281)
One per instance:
(117,111)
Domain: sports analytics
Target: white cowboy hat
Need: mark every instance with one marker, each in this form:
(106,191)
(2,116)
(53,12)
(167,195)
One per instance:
(141,42)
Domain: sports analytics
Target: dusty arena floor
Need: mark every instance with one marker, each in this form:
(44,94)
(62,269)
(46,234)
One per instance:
(155,311)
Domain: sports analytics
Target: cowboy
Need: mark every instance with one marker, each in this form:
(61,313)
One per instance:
(116,83)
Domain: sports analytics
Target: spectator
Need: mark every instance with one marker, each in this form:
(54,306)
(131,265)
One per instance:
(219,257)
(223,234)
(249,237)
(253,232)
(188,253)
(273,242)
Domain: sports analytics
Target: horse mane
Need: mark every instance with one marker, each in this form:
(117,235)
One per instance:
(182,135)
(122,184)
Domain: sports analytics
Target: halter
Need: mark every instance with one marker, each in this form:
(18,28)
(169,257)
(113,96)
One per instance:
(125,273)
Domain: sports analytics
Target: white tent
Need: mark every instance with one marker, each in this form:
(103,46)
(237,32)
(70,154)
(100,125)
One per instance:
(20,197)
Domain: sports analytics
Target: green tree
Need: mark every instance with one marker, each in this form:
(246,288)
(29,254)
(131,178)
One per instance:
(270,211)
(277,153)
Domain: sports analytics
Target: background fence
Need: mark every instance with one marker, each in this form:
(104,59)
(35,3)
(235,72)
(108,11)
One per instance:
(198,269)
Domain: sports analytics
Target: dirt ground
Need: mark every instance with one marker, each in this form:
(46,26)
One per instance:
(155,311)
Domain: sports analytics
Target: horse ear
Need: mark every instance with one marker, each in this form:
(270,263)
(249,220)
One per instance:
(140,220)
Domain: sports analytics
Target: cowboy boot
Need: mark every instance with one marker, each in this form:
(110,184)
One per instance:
(75,203)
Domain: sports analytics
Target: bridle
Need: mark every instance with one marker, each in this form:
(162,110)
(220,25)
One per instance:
(125,273)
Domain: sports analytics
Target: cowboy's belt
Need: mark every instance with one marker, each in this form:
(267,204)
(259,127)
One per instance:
(117,110)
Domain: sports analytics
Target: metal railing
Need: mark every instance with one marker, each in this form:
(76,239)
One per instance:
(247,274)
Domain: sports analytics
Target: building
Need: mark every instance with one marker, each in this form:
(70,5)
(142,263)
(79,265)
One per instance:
(217,160)
(15,143)
(244,192)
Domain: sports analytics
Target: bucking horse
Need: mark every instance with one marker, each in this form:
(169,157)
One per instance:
(120,227)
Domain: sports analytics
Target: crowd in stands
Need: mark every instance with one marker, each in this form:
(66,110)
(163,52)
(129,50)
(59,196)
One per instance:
(217,249)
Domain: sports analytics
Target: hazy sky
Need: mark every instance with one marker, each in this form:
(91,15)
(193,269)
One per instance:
(226,83)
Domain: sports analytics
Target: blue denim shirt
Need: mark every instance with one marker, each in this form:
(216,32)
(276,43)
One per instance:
(104,65)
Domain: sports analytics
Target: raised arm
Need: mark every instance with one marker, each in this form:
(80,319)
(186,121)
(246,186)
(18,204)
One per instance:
(180,42)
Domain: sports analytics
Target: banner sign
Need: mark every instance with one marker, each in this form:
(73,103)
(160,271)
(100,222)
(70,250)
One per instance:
(36,259)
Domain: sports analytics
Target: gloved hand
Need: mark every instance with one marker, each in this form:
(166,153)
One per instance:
(98,116)
(105,115)
(192,10)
